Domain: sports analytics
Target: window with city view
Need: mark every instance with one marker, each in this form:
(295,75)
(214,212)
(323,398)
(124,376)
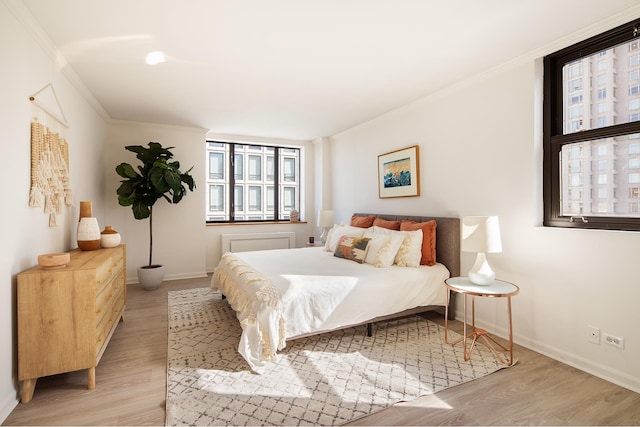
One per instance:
(247,182)
(592,132)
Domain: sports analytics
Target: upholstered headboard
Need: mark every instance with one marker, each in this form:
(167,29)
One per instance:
(447,237)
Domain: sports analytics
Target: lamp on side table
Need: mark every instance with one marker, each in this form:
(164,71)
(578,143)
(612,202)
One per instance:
(325,220)
(481,234)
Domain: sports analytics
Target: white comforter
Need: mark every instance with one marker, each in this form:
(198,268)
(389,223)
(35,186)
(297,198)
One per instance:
(281,294)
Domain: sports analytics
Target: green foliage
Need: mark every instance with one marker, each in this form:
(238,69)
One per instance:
(156,177)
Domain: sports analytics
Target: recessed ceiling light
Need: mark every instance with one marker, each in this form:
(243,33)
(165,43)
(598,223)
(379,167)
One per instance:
(154,58)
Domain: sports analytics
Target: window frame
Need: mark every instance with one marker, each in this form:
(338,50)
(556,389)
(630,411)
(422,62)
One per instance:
(279,153)
(554,137)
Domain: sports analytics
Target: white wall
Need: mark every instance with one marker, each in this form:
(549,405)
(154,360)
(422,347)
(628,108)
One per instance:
(178,230)
(480,155)
(27,66)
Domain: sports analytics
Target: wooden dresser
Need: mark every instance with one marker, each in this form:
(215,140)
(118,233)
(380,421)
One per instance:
(67,316)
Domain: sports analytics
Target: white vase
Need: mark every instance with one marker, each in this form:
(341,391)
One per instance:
(150,277)
(109,238)
(88,234)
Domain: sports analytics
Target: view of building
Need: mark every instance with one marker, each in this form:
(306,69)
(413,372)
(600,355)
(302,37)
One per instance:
(602,177)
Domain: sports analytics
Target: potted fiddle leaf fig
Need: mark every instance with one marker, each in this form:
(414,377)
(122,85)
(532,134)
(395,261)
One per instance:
(156,177)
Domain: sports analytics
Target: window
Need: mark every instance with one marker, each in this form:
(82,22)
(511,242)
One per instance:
(602,93)
(575,85)
(575,99)
(602,179)
(603,191)
(575,70)
(602,65)
(575,111)
(264,186)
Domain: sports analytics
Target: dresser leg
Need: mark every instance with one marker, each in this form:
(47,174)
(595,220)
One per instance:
(92,378)
(28,387)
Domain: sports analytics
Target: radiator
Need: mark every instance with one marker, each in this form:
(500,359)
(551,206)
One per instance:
(258,242)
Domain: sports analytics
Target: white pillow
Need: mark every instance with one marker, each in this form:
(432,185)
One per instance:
(410,252)
(382,248)
(337,232)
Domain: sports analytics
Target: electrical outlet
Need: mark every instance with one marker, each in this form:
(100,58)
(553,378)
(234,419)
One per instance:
(594,335)
(613,340)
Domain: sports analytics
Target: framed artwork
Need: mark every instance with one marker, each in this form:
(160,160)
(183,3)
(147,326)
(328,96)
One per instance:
(399,173)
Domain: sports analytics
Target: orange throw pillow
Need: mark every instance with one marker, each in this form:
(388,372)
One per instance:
(428,239)
(362,221)
(391,225)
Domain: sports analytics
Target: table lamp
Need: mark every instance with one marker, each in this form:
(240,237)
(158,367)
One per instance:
(481,234)
(325,220)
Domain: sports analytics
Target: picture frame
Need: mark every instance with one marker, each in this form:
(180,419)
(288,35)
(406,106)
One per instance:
(399,173)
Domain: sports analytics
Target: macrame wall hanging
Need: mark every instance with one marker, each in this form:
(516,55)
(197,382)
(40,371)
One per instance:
(50,184)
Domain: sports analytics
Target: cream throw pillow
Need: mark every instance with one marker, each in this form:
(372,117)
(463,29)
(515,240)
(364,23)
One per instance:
(409,253)
(382,248)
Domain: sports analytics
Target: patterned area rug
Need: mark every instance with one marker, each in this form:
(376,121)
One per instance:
(327,379)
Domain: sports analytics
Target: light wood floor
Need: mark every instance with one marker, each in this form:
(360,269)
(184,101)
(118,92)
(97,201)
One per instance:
(131,381)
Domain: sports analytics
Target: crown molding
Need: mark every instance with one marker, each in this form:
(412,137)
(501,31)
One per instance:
(29,23)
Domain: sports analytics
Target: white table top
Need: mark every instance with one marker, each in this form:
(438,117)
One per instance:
(497,288)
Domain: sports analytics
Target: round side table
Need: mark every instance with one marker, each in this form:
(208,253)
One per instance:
(496,289)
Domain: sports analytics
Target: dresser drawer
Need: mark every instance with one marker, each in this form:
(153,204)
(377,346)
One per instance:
(104,327)
(118,303)
(108,270)
(104,301)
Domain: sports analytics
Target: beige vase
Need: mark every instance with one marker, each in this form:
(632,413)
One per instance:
(88,229)
(109,238)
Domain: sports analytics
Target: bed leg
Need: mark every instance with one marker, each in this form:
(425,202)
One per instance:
(369,332)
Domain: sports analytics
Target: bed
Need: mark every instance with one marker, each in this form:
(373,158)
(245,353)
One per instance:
(284,294)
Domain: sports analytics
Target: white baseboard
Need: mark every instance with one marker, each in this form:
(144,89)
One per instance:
(599,370)
(8,404)
(134,280)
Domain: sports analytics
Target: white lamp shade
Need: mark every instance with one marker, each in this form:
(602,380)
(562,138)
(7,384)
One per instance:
(325,219)
(481,234)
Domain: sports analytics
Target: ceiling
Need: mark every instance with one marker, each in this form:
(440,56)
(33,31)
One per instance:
(294,69)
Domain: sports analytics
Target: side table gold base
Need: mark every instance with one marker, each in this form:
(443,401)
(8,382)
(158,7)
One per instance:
(504,354)
(489,341)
